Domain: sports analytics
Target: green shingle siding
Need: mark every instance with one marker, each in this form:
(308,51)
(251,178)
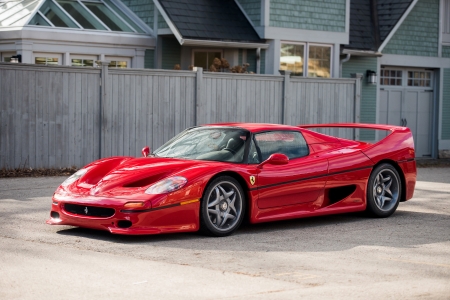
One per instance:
(308,14)
(446,51)
(419,33)
(143,9)
(263,62)
(251,59)
(171,53)
(368,91)
(253,10)
(149,59)
(446,106)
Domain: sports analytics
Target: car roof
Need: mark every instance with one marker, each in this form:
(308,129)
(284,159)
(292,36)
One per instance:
(256,127)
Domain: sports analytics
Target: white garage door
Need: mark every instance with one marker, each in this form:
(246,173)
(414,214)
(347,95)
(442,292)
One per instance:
(406,99)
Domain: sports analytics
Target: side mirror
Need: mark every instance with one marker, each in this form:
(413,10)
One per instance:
(275,159)
(145,151)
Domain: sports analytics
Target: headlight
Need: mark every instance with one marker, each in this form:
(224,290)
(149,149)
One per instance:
(167,185)
(74,177)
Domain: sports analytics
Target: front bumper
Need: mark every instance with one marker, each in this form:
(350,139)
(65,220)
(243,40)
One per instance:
(163,219)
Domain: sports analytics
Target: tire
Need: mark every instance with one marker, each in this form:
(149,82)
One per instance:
(384,191)
(222,208)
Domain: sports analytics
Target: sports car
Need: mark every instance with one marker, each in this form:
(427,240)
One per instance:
(212,177)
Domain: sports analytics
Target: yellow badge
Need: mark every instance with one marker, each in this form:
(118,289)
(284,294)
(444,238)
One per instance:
(252,180)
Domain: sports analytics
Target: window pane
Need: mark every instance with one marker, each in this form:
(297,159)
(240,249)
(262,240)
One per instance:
(46,61)
(399,82)
(56,15)
(108,17)
(124,16)
(319,64)
(201,60)
(38,20)
(82,62)
(18,14)
(292,58)
(290,143)
(81,15)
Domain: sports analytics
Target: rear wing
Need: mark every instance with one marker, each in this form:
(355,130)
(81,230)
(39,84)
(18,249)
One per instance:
(397,145)
(354,125)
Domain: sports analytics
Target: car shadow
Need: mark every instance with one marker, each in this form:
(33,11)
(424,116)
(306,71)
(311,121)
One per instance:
(328,233)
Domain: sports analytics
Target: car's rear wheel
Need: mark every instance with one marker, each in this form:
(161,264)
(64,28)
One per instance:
(383,191)
(222,207)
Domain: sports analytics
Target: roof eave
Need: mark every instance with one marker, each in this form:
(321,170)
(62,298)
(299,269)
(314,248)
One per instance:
(355,52)
(223,44)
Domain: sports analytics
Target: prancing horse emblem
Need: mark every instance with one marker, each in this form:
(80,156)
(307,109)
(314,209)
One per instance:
(86,210)
(252,180)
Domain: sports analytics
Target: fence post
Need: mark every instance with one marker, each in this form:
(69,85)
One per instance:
(198,92)
(286,82)
(103,97)
(357,119)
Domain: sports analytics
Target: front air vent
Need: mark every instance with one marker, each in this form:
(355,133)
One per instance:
(90,211)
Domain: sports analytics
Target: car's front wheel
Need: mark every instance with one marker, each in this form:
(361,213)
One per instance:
(222,207)
(383,191)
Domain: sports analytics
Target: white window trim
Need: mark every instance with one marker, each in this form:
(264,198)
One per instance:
(205,50)
(306,54)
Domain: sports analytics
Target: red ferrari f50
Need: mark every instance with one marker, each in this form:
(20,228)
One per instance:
(211,177)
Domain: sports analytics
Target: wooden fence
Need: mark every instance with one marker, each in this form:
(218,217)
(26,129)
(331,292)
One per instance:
(55,116)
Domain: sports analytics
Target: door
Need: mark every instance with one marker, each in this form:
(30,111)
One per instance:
(406,99)
(302,180)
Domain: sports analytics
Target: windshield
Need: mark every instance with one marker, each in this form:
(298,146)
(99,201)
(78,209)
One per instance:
(217,144)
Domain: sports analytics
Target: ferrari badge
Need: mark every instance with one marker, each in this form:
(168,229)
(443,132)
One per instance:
(252,180)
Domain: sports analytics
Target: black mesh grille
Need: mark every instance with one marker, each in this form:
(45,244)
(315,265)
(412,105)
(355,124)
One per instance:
(91,211)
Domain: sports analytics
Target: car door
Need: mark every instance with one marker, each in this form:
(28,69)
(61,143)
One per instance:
(302,180)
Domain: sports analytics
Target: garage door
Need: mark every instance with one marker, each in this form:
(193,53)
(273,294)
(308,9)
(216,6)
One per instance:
(406,99)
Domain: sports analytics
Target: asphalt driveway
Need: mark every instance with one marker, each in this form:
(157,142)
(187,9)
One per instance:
(345,256)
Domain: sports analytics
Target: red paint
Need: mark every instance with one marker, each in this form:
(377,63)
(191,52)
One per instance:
(282,189)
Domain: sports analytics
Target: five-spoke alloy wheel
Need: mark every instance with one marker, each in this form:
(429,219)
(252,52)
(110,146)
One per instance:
(223,207)
(383,191)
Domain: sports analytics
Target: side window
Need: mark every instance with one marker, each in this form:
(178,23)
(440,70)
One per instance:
(253,157)
(290,143)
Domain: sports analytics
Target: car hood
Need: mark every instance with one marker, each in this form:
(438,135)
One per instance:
(125,176)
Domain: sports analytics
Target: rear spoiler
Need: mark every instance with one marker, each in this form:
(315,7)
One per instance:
(355,125)
(398,145)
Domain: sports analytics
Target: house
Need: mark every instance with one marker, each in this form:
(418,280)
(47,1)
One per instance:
(401,48)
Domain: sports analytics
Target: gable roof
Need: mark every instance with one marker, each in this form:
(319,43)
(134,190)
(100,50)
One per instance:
(372,21)
(209,20)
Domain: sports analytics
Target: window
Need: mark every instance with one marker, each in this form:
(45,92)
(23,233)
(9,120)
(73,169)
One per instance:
(316,63)
(290,143)
(81,15)
(6,57)
(118,62)
(46,60)
(292,58)
(83,61)
(205,59)
(446,21)
(319,61)
(391,77)
(16,13)
(419,78)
